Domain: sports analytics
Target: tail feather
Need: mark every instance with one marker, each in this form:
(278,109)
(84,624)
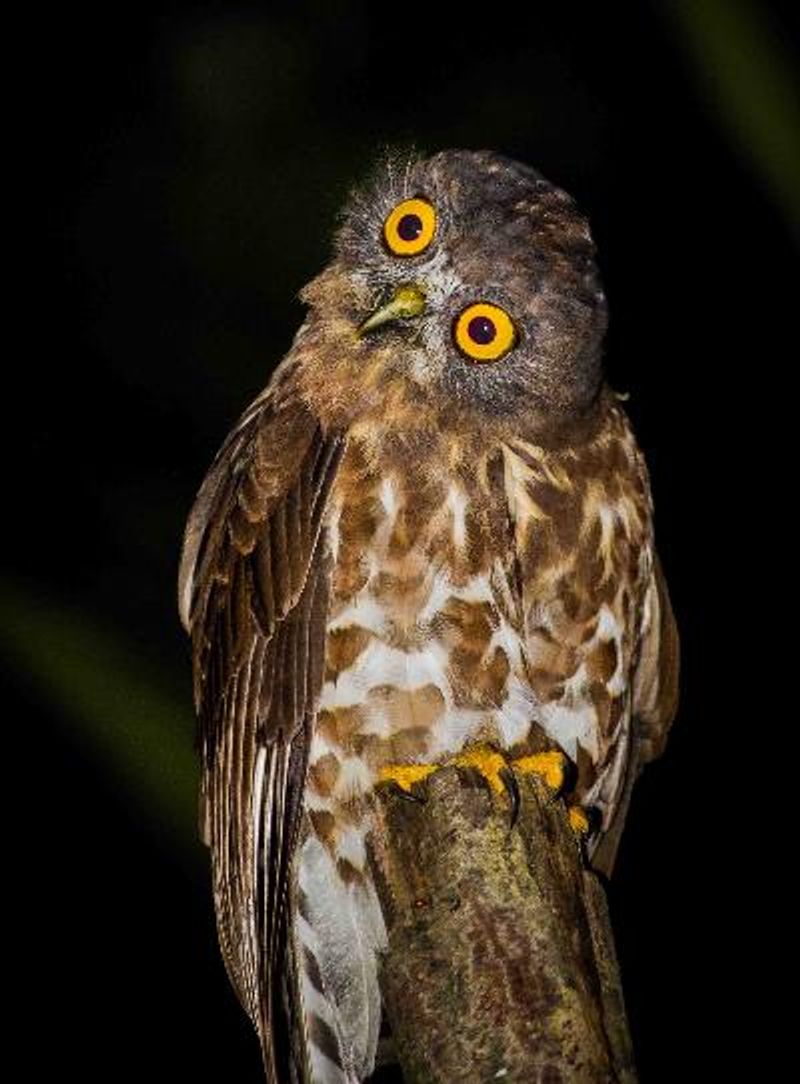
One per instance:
(338,935)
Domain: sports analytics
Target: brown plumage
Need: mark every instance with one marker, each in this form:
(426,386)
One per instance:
(401,550)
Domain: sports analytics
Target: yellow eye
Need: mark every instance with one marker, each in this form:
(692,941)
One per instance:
(410,227)
(484,332)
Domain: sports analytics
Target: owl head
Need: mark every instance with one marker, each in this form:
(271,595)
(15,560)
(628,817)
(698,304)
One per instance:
(473,279)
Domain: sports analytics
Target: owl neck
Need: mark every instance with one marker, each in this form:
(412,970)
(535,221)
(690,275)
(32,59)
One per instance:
(407,428)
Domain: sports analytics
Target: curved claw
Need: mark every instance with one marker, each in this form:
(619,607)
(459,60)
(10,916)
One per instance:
(403,777)
(512,790)
(408,795)
(553,768)
(570,778)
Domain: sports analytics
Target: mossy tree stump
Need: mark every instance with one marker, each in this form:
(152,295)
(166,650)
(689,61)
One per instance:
(501,962)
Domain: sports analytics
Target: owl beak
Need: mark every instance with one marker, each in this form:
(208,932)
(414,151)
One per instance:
(405,302)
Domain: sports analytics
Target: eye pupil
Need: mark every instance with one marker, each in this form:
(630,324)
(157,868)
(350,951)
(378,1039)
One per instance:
(409,227)
(481,330)
(484,332)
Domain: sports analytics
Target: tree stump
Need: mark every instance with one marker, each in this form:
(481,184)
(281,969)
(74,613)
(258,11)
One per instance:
(501,963)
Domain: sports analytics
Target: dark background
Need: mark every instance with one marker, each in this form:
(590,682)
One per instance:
(187,166)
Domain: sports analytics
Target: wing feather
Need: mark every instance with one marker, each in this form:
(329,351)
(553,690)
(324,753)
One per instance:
(655,703)
(253,593)
(656,680)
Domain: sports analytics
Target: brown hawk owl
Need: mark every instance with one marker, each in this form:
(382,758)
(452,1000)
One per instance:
(431,532)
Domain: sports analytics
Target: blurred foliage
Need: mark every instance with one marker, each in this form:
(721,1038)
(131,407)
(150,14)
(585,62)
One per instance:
(750,81)
(128,722)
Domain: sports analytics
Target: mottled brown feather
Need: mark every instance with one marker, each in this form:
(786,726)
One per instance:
(254,586)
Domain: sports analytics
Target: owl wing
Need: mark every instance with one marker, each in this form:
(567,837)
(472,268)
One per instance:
(600,635)
(655,702)
(253,593)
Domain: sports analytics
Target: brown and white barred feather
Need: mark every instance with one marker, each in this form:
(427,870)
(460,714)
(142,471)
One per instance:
(383,596)
(254,593)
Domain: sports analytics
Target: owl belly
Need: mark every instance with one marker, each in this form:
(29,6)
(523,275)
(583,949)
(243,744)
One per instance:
(429,646)
(420,660)
(413,681)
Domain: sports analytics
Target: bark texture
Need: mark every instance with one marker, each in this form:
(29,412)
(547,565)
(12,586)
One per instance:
(501,963)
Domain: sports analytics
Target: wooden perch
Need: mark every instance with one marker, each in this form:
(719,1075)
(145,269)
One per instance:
(501,963)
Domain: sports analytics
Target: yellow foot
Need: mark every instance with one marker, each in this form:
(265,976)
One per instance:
(578,820)
(551,767)
(486,761)
(406,775)
(500,773)
(490,764)
(581,820)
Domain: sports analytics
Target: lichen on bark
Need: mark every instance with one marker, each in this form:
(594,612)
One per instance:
(501,961)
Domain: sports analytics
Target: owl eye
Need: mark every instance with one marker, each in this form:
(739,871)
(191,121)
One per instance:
(484,332)
(410,227)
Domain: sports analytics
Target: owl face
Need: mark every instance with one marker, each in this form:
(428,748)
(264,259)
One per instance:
(480,276)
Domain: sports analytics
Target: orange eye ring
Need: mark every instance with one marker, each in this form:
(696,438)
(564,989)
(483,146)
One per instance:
(484,332)
(410,227)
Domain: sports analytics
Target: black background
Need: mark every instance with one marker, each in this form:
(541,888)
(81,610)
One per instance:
(187,166)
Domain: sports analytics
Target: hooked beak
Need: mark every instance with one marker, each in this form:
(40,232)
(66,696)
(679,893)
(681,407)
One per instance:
(405,302)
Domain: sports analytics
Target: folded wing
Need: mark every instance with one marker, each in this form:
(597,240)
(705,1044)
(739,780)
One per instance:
(253,593)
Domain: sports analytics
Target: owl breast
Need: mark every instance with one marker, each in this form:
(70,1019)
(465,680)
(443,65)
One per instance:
(424,642)
(476,592)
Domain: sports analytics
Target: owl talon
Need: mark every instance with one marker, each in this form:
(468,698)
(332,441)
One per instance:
(488,763)
(584,819)
(500,775)
(402,777)
(408,795)
(512,790)
(554,769)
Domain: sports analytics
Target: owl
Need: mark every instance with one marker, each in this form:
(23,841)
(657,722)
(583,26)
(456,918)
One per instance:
(428,541)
